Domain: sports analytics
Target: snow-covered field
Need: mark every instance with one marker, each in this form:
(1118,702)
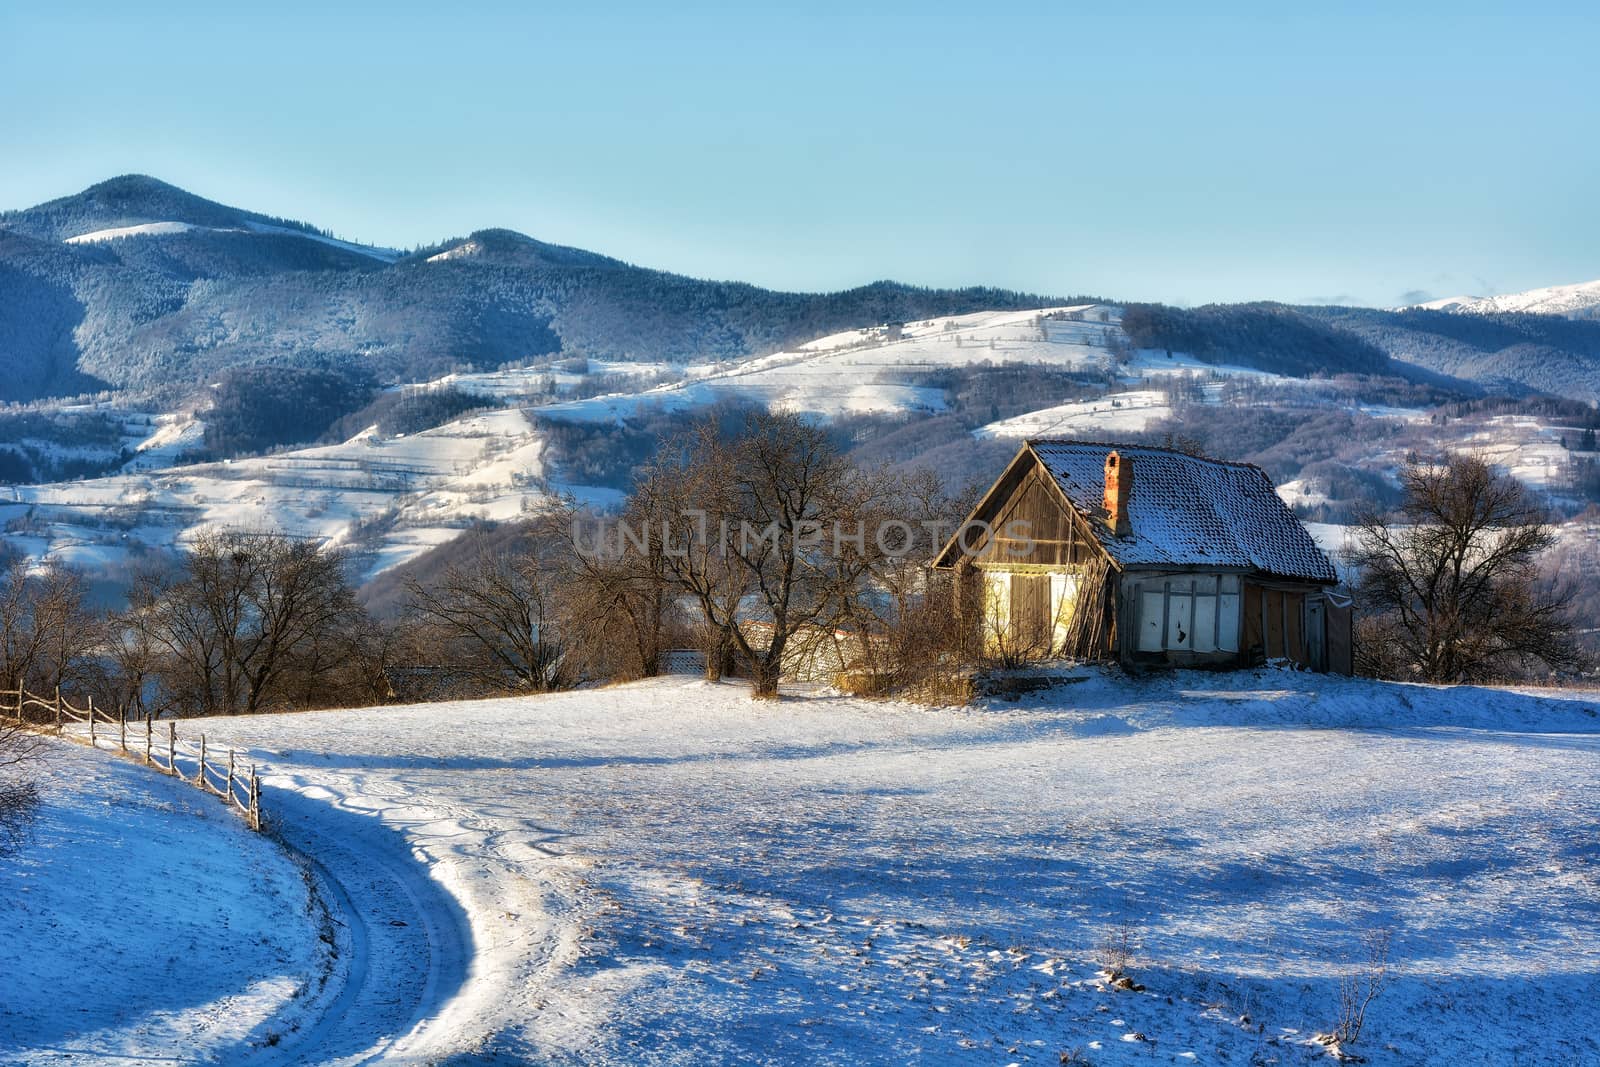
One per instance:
(669,872)
(870,370)
(1111,414)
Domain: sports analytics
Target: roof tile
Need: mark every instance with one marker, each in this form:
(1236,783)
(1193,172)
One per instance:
(1186,511)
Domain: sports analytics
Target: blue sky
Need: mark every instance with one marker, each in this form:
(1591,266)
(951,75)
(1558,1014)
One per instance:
(1155,154)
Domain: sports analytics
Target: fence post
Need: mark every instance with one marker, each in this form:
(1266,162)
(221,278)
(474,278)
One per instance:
(58,709)
(255,799)
(172,748)
(149,731)
(91,719)
(122,726)
(230,776)
(200,778)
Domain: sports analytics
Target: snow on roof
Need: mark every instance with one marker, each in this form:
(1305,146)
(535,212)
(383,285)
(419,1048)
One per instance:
(1187,511)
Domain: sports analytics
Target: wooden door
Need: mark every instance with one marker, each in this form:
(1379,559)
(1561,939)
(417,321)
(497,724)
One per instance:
(1030,612)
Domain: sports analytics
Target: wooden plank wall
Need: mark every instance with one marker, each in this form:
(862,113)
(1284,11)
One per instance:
(1055,533)
(1274,623)
(1030,610)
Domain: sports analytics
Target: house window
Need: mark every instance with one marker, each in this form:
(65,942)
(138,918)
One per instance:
(1152,619)
(1198,613)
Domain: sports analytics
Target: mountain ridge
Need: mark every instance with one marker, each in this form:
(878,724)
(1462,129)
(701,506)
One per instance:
(129,200)
(163,290)
(137,285)
(1575,300)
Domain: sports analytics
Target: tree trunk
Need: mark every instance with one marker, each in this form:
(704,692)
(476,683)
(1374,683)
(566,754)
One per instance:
(719,650)
(764,681)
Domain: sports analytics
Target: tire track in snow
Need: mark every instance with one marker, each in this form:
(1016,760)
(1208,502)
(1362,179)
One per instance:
(406,945)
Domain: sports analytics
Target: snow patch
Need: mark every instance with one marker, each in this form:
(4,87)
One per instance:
(143,229)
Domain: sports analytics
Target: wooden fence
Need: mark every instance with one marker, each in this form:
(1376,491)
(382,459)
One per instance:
(182,760)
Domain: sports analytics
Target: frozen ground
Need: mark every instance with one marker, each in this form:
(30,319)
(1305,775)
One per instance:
(144,922)
(670,873)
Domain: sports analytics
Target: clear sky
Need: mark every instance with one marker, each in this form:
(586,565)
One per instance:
(1358,155)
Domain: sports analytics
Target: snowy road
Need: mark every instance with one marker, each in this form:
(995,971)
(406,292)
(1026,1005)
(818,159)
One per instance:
(669,873)
(403,940)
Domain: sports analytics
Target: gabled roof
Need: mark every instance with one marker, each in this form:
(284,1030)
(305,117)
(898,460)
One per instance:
(1184,511)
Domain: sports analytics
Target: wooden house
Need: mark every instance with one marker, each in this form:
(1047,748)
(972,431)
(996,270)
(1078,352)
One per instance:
(1147,556)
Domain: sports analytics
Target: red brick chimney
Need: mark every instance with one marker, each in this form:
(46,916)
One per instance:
(1119,484)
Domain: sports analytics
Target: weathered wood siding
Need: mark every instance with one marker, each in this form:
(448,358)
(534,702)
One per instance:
(1274,623)
(1031,616)
(1033,528)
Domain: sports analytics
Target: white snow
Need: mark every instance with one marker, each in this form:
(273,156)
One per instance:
(1525,446)
(420,489)
(171,437)
(1300,491)
(159,229)
(1155,363)
(1106,416)
(460,251)
(1580,298)
(668,872)
(868,370)
(143,921)
(143,229)
(388,255)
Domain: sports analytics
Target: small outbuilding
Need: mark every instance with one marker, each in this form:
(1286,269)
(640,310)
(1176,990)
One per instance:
(1148,556)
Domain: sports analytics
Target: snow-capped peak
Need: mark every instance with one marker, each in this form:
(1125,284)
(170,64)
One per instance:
(1581,300)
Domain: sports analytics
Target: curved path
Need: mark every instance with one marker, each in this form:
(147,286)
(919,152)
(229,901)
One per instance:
(403,942)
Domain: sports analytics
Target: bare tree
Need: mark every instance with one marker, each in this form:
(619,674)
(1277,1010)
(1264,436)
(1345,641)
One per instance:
(493,618)
(240,624)
(776,534)
(20,641)
(691,492)
(47,631)
(619,604)
(19,795)
(1358,987)
(915,642)
(133,652)
(1450,585)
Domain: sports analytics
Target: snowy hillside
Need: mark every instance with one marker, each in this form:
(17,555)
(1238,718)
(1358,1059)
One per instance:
(871,370)
(386,499)
(668,872)
(144,921)
(391,498)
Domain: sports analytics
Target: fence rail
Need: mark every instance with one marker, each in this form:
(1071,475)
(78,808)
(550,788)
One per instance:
(183,760)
